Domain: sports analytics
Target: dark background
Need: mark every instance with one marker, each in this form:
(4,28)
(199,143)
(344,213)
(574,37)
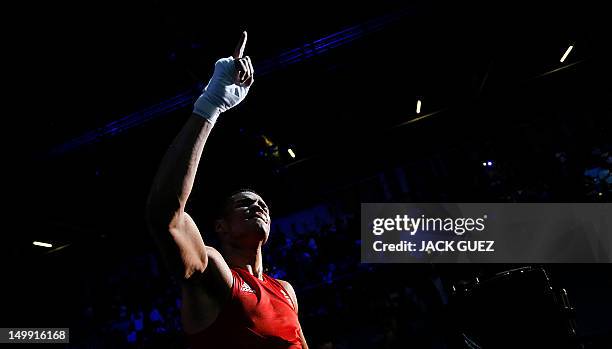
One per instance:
(487,73)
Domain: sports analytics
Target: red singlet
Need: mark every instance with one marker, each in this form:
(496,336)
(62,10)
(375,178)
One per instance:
(259,315)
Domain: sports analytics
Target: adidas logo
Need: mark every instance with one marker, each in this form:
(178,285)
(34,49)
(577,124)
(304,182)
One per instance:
(246,288)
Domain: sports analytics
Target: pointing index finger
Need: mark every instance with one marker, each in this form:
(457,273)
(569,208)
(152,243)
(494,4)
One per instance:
(239,51)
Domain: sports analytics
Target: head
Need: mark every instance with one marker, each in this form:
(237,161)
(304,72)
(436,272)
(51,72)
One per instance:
(244,221)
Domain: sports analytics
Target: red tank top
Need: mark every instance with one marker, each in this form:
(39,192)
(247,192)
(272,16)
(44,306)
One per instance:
(259,315)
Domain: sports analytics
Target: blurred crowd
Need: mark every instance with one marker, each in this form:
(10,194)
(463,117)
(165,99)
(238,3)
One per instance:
(344,304)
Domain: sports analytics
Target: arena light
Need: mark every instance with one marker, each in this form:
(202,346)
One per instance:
(418,111)
(267,140)
(567,52)
(185,99)
(41,244)
(291,153)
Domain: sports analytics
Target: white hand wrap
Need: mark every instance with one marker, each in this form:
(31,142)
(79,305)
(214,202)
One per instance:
(221,93)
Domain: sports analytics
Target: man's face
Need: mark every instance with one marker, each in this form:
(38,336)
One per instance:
(246,221)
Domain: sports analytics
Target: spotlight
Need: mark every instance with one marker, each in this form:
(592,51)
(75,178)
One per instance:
(418,110)
(291,153)
(42,244)
(569,49)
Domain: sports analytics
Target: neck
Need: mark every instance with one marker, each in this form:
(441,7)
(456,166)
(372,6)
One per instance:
(249,259)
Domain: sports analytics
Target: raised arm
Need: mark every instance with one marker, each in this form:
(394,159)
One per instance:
(175,231)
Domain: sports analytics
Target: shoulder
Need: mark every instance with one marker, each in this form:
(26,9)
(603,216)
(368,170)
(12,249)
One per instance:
(205,294)
(217,278)
(287,286)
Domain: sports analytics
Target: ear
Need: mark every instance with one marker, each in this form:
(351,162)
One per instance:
(220,226)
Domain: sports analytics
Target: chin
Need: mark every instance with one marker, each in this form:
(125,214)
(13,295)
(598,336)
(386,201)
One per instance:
(260,230)
(262,233)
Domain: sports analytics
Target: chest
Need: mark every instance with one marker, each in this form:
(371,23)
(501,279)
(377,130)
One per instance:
(262,304)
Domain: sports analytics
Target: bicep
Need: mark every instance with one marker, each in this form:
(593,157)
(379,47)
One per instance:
(215,271)
(186,254)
